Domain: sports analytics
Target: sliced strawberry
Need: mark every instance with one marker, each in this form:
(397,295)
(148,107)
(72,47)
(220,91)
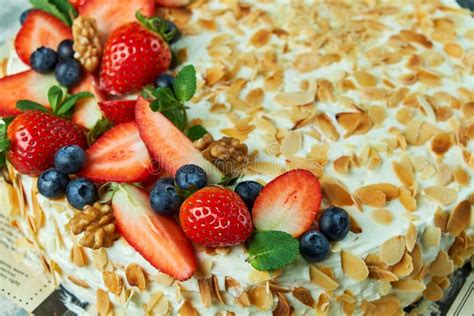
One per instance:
(158,238)
(86,111)
(77,3)
(172,3)
(110,14)
(118,156)
(288,203)
(167,144)
(40,29)
(27,85)
(118,111)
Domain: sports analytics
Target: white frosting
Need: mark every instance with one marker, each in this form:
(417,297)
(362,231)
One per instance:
(297,274)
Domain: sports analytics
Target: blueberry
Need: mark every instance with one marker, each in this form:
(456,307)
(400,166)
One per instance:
(164,199)
(65,49)
(68,72)
(164,81)
(69,159)
(24,15)
(43,60)
(81,192)
(248,191)
(52,183)
(191,178)
(335,223)
(171,27)
(314,246)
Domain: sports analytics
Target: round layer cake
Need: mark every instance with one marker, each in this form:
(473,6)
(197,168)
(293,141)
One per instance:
(375,99)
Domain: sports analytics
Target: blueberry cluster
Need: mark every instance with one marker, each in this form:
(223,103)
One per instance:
(67,70)
(334,225)
(167,194)
(56,182)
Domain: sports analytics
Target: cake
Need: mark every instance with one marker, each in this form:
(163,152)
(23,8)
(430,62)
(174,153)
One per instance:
(367,105)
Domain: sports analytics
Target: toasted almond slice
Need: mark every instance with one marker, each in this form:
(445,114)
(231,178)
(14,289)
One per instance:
(365,79)
(383,217)
(441,143)
(326,126)
(306,62)
(433,292)
(409,285)
(377,114)
(342,164)
(354,122)
(78,282)
(370,196)
(454,50)
(292,144)
(260,38)
(392,250)
(337,193)
(442,265)
(407,200)
(78,256)
(321,279)
(404,172)
(216,290)
(100,258)
(354,267)
(113,282)
(379,273)
(431,236)
(205,292)
(410,237)
(461,176)
(187,309)
(294,98)
(404,267)
(303,295)
(103,302)
(441,219)
(460,218)
(261,297)
(442,195)
(136,276)
(283,308)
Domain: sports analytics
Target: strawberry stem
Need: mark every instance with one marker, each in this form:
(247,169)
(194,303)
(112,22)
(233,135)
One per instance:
(156,25)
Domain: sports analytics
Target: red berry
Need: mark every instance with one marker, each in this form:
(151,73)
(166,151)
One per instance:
(215,217)
(36,136)
(118,111)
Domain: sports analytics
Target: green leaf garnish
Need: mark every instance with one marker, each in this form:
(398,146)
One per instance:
(196,132)
(27,105)
(156,25)
(270,250)
(69,102)
(61,9)
(55,96)
(184,85)
(102,126)
(4,141)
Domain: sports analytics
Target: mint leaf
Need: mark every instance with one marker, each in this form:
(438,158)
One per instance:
(184,85)
(4,144)
(270,250)
(167,104)
(71,100)
(55,97)
(26,105)
(49,7)
(4,141)
(102,126)
(196,132)
(66,8)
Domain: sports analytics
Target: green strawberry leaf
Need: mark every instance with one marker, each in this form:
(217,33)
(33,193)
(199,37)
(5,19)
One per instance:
(70,101)
(270,250)
(184,85)
(26,105)
(102,126)
(157,25)
(50,7)
(55,97)
(167,104)
(196,132)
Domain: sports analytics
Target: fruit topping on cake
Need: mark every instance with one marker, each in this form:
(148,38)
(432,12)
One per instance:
(172,3)
(81,192)
(164,197)
(216,217)
(118,111)
(288,203)
(87,112)
(118,156)
(158,238)
(40,29)
(248,191)
(70,159)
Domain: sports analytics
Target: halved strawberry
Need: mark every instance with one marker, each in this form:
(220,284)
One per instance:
(288,203)
(77,3)
(118,156)
(27,85)
(158,238)
(40,29)
(118,111)
(110,14)
(167,144)
(86,111)
(172,3)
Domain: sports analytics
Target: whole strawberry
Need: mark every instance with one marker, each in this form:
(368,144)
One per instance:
(215,217)
(134,55)
(35,137)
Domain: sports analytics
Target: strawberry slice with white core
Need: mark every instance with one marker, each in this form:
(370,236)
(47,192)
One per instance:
(27,85)
(172,3)
(288,203)
(87,111)
(40,29)
(110,14)
(118,156)
(158,238)
(168,145)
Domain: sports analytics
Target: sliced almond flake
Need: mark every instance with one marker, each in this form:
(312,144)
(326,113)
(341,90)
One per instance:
(262,276)
(413,37)
(78,282)
(343,164)
(443,282)
(442,265)
(404,172)
(404,267)
(441,143)
(431,237)
(306,62)
(103,303)
(303,295)
(460,218)
(326,126)
(365,79)
(205,292)
(379,273)
(136,276)
(382,217)
(204,269)
(260,38)
(371,197)
(292,143)
(294,98)
(303,163)
(377,114)
(216,292)
(354,123)
(441,219)
(261,297)
(416,259)
(57,231)
(454,50)
(274,80)
(235,289)
(428,78)
(158,304)
(373,259)
(255,97)
(79,256)
(100,258)
(433,292)
(283,308)
(410,237)
(353,266)
(321,279)
(409,285)
(442,195)
(444,174)
(113,282)
(187,309)
(392,250)
(336,193)
(468,109)
(214,74)
(265,167)
(323,304)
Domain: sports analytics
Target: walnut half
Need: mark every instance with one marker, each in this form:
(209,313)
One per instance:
(97,222)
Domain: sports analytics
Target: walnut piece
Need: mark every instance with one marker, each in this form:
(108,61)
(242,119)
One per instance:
(227,153)
(97,224)
(87,45)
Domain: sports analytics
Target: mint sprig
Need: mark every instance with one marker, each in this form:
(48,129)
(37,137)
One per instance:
(62,9)
(196,132)
(184,85)
(270,250)
(4,141)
